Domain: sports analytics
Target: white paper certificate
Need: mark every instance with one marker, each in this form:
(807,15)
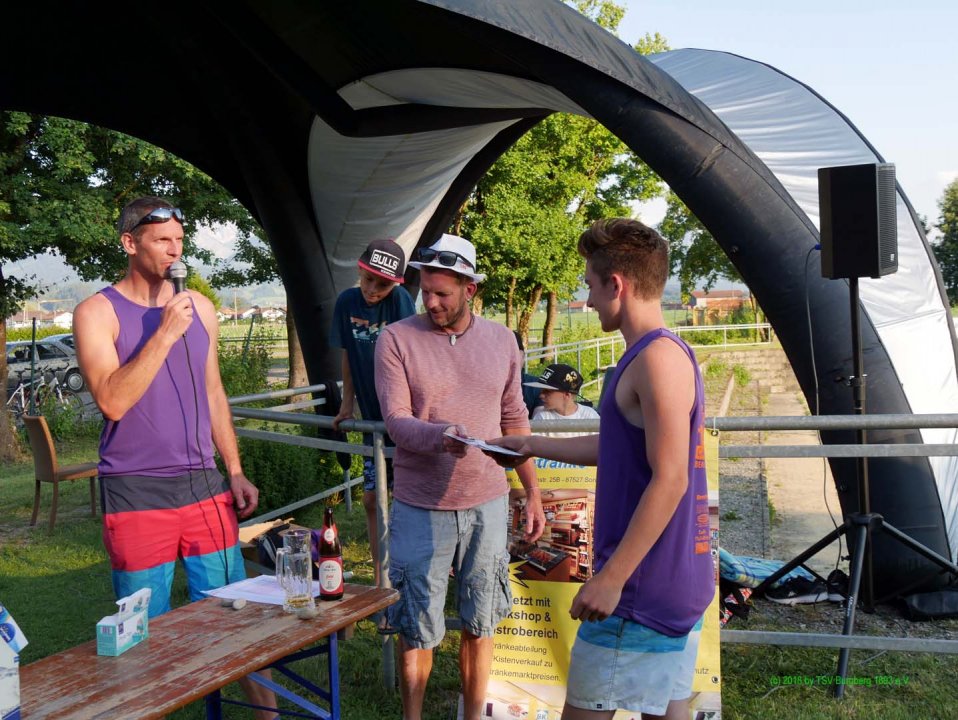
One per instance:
(482,444)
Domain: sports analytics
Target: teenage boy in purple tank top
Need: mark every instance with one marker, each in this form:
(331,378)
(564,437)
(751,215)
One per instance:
(140,347)
(641,610)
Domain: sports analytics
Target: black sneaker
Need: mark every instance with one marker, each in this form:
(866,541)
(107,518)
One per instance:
(837,585)
(798,591)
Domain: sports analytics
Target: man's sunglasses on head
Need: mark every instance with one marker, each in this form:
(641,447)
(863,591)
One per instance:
(448,258)
(160,215)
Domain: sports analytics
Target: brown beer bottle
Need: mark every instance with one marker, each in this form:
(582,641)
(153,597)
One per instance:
(330,560)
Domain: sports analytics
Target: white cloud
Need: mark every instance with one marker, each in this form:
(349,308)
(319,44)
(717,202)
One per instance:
(651,212)
(219,239)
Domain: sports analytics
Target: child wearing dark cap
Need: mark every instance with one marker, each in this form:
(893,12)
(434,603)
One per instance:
(360,315)
(559,387)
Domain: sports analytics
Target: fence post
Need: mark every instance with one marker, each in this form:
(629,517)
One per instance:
(382,530)
(249,336)
(349,490)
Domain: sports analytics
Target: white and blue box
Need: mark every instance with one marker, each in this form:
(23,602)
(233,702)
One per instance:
(12,641)
(130,625)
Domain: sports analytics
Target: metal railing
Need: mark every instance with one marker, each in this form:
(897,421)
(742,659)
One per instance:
(379,453)
(608,347)
(762,331)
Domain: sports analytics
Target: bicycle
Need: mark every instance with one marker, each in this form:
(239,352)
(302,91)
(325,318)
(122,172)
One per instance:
(38,395)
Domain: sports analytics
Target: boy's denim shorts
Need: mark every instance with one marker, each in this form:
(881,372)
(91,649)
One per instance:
(618,664)
(369,475)
(369,468)
(423,545)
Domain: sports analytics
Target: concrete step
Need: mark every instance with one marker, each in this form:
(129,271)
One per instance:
(769,367)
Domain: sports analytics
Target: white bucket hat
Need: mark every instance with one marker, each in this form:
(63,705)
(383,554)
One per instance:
(450,252)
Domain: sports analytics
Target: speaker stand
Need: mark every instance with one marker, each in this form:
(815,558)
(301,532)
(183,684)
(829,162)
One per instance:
(859,526)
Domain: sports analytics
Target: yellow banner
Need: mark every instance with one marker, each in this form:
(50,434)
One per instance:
(532,646)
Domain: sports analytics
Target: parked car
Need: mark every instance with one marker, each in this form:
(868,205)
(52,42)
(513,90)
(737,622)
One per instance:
(52,357)
(65,338)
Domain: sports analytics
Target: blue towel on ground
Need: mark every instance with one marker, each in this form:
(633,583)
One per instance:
(750,572)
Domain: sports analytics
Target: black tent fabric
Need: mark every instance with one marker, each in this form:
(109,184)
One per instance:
(338,122)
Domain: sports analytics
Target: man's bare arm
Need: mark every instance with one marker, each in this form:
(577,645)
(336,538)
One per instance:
(582,450)
(535,516)
(117,388)
(347,408)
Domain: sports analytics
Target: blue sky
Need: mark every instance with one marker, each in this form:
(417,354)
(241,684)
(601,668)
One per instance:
(890,67)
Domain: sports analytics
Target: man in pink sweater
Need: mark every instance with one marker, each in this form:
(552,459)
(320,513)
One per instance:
(448,370)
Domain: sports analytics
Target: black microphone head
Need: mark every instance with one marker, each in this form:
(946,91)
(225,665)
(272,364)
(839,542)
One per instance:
(177,275)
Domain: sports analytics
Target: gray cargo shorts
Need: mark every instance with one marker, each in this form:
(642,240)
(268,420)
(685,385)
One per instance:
(423,545)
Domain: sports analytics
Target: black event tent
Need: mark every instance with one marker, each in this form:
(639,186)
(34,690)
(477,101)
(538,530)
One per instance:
(335,123)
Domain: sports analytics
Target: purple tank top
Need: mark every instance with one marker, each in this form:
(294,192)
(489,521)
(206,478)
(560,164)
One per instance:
(675,582)
(157,437)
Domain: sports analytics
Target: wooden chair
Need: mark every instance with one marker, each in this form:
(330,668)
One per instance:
(47,469)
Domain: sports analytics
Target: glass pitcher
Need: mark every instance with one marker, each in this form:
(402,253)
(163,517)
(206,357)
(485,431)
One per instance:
(294,570)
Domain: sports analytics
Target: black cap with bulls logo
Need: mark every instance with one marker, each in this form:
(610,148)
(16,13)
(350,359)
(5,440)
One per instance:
(384,258)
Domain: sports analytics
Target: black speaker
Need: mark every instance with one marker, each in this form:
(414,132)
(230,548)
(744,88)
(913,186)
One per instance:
(858,220)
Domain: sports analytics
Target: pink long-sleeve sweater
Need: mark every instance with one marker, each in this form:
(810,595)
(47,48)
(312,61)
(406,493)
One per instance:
(424,385)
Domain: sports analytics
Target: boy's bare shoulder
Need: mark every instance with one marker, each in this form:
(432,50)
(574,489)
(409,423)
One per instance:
(661,362)
(664,354)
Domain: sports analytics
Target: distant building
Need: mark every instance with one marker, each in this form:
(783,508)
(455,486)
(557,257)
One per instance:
(578,306)
(715,306)
(64,319)
(273,314)
(24,318)
(270,314)
(225,314)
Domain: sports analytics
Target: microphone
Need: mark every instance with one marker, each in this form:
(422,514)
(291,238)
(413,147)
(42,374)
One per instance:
(177,275)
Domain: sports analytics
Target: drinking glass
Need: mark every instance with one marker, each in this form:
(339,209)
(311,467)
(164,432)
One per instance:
(294,570)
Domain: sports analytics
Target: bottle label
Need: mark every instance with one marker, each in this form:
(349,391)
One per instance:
(331,576)
(329,535)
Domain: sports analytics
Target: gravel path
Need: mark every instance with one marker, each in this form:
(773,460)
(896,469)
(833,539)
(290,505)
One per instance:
(743,501)
(745,530)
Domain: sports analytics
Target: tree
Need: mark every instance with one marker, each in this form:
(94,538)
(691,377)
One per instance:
(694,255)
(526,213)
(946,249)
(62,186)
(651,43)
(259,266)
(195,281)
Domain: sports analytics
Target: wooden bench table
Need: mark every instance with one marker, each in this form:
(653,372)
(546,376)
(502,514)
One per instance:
(191,653)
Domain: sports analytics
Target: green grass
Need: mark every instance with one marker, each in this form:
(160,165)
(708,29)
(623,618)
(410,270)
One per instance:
(752,685)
